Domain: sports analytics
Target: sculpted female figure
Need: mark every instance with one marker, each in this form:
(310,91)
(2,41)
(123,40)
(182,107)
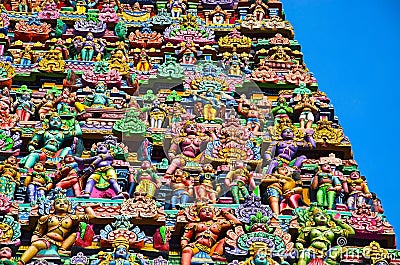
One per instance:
(317,233)
(205,233)
(55,229)
(190,142)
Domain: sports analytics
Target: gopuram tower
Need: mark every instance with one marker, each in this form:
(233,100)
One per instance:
(173,132)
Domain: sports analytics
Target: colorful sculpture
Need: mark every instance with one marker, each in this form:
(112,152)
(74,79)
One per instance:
(326,185)
(54,229)
(285,149)
(280,190)
(38,183)
(316,234)
(147,180)
(357,190)
(145,111)
(101,173)
(9,177)
(240,181)
(206,231)
(47,143)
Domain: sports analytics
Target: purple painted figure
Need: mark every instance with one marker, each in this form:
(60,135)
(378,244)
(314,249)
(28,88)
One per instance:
(285,150)
(101,172)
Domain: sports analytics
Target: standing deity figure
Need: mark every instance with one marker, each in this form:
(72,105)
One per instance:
(285,150)
(67,175)
(89,47)
(182,188)
(176,112)
(143,64)
(318,230)
(54,229)
(157,115)
(203,235)
(238,180)
(9,177)
(46,105)
(26,56)
(47,142)
(252,114)
(281,110)
(280,190)
(38,183)
(101,173)
(327,186)
(147,179)
(307,111)
(356,188)
(24,107)
(206,188)
(211,105)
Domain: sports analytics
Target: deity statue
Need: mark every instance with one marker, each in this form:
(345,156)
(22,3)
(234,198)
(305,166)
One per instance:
(308,111)
(26,56)
(143,64)
(46,105)
(89,47)
(66,175)
(206,188)
(318,230)
(157,115)
(120,254)
(6,256)
(65,101)
(147,179)
(205,232)
(285,149)
(259,10)
(24,107)
(182,187)
(252,114)
(188,53)
(238,180)
(38,183)
(211,105)
(47,142)
(177,8)
(326,186)
(99,98)
(176,112)
(9,177)
(189,142)
(7,120)
(356,188)
(101,173)
(280,190)
(54,229)
(281,110)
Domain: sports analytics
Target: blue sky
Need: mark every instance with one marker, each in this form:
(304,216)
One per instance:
(352,48)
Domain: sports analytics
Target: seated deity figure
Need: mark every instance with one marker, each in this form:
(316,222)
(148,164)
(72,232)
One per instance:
(54,229)
(99,97)
(48,143)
